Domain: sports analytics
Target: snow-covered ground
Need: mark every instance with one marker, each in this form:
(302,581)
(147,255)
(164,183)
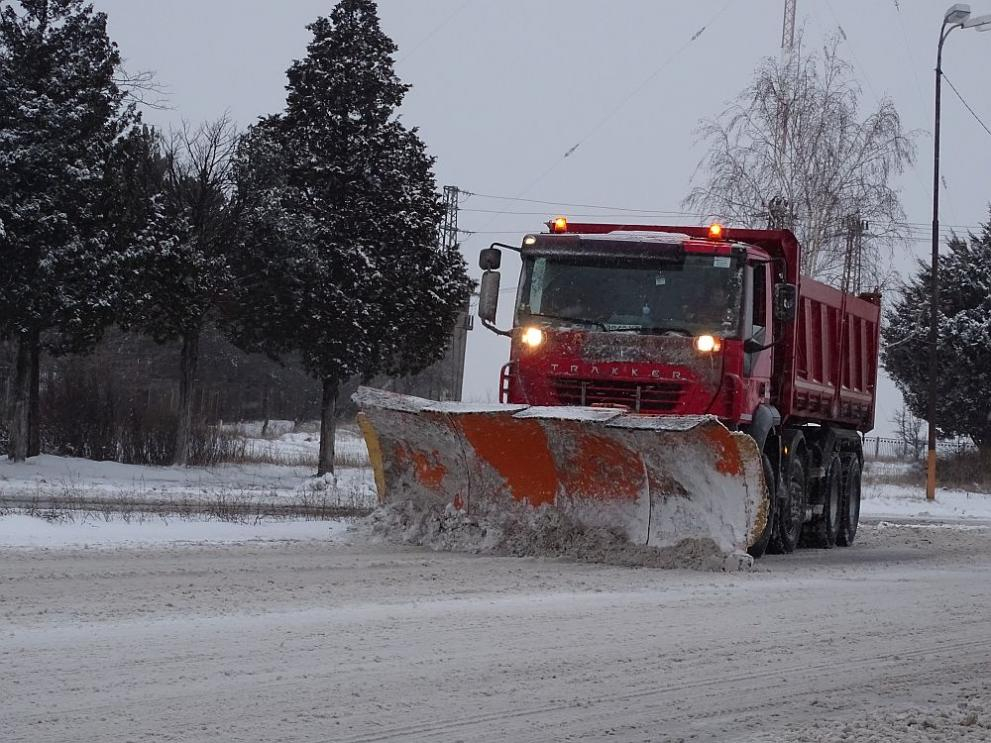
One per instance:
(65,480)
(323,640)
(92,532)
(145,628)
(899,501)
(282,444)
(883,499)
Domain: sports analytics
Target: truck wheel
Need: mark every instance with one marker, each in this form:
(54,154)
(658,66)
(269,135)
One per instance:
(850,508)
(822,531)
(791,509)
(758,548)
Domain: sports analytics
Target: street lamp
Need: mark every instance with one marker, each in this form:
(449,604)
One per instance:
(958,16)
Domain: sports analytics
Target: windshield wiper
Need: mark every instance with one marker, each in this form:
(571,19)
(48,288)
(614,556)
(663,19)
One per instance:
(577,320)
(648,330)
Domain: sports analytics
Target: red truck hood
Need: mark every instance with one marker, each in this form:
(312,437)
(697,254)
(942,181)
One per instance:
(646,373)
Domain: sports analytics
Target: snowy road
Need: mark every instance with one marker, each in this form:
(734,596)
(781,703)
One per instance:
(310,641)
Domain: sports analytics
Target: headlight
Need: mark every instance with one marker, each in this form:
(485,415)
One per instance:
(707,344)
(532,337)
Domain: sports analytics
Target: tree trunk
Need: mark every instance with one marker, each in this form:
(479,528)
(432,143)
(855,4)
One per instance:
(187,380)
(20,409)
(265,411)
(34,402)
(328,426)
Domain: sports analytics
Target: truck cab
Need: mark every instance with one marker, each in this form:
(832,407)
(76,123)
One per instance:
(653,323)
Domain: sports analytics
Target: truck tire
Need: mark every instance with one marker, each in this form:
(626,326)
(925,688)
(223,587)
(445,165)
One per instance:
(822,530)
(758,548)
(850,507)
(791,509)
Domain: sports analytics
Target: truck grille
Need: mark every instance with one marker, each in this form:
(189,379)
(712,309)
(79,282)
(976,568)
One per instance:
(652,397)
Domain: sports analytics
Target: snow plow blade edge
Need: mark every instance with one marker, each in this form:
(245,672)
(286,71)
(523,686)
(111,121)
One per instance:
(656,479)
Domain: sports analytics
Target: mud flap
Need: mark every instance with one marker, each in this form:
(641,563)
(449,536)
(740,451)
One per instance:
(657,480)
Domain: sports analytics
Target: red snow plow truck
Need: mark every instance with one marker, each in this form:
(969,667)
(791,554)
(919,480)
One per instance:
(664,383)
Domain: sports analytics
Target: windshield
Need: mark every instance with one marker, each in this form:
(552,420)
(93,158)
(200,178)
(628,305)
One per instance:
(698,296)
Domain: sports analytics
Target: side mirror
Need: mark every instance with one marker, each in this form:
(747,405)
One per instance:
(752,345)
(490,259)
(488,294)
(785,302)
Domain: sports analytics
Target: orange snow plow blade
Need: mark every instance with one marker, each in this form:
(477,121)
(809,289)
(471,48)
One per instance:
(657,479)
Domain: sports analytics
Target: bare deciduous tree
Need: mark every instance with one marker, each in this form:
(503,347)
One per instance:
(143,88)
(828,166)
(181,262)
(908,429)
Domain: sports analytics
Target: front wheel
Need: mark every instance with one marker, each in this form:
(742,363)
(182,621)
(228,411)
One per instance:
(791,509)
(758,548)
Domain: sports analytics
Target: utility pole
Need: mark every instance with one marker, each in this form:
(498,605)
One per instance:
(777,210)
(853,262)
(454,361)
(787,49)
(788,27)
(957,16)
(449,227)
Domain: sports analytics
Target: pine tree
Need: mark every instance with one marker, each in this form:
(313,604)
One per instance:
(964,340)
(367,289)
(274,245)
(180,268)
(61,116)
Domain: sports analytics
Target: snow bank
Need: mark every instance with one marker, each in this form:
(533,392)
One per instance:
(899,501)
(284,445)
(253,429)
(66,479)
(30,532)
(540,532)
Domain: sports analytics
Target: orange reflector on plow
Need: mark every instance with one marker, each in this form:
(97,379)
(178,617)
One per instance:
(657,479)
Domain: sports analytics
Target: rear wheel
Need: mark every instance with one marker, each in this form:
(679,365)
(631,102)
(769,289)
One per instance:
(822,531)
(791,509)
(850,508)
(758,548)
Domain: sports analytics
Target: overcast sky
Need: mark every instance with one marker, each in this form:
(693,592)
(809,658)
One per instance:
(502,89)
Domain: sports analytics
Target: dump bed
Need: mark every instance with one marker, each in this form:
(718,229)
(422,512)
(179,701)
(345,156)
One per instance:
(835,357)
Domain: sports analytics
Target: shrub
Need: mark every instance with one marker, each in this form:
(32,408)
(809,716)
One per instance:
(88,415)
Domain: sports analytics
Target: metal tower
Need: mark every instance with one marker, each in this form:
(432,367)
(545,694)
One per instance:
(779,214)
(454,360)
(449,227)
(788,28)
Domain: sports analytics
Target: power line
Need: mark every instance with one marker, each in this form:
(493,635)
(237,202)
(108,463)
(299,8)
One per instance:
(544,213)
(435,30)
(616,108)
(569,203)
(650,78)
(634,213)
(911,58)
(966,105)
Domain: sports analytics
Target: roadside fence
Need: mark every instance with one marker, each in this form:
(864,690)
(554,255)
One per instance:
(899,450)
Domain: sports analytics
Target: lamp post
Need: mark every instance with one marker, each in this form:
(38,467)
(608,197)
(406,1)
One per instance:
(958,16)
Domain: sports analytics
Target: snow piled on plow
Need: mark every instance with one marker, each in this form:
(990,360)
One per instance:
(542,532)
